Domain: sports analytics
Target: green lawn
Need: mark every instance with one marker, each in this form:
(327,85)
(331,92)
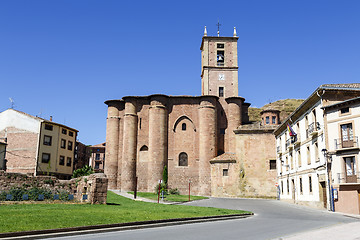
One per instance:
(24,217)
(170,198)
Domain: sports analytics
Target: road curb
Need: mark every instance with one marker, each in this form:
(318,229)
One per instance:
(61,232)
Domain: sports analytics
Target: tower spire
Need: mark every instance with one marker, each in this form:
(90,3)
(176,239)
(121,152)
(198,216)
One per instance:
(218,25)
(205,32)
(234,32)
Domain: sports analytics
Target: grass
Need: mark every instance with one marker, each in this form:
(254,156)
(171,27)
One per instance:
(26,217)
(170,198)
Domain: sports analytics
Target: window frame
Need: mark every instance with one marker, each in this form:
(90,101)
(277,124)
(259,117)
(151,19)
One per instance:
(42,157)
(70,145)
(47,143)
(62,160)
(68,161)
(183,162)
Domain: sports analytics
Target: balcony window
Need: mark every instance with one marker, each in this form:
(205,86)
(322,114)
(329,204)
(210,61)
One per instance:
(97,156)
(350,169)
(347,135)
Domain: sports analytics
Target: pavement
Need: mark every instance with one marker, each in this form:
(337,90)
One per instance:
(266,212)
(349,231)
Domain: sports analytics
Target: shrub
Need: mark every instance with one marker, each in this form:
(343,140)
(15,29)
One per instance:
(84,171)
(163,187)
(174,191)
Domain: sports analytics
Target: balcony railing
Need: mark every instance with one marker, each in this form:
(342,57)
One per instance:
(343,144)
(344,178)
(287,143)
(278,149)
(312,129)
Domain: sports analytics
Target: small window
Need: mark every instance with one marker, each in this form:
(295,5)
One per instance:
(68,162)
(225,172)
(49,127)
(144,148)
(97,165)
(220,45)
(97,156)
(71,134)
(183,127)
(222,131)
(310,184)
(273,120)
(272,164)
(267,120)
(63,143)
(45,158)
(70,144)
(301,186)
(183,159)
(62,160)
(344,110)
(282,187)
(47,140)
(63,131)
(221,91)
(287,186)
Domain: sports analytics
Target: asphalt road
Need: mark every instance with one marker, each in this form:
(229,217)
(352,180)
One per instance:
(273,220)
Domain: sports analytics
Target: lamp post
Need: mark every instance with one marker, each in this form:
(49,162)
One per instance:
(328,159)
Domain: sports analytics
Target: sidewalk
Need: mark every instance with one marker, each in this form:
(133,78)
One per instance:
(131,196)
(348,231)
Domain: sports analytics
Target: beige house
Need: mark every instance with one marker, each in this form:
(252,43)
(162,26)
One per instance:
(97,159)
(343,130)
(304,168)
(36,145)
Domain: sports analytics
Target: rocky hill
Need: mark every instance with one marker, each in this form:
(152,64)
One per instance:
(286,106)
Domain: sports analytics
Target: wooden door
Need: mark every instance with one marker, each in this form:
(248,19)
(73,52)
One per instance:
(322,193)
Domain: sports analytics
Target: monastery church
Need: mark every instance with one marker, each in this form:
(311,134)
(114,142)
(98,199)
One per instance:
(203,140)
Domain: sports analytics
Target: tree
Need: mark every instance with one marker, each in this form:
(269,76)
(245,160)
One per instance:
(84,171)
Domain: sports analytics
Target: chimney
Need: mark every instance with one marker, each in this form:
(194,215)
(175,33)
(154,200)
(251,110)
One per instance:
(50,118)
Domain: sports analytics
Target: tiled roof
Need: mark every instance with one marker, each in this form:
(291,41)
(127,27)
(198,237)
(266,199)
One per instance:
(225,157)
(99,145)
(342,85)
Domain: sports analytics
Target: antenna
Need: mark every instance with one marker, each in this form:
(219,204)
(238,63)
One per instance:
(12,102)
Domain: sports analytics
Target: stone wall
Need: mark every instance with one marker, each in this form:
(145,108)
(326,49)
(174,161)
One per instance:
(94,185)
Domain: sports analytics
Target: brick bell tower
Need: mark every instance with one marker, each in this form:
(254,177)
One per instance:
(219,65)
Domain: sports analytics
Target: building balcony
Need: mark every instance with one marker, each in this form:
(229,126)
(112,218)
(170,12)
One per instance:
(312,129)
(341,144)
(293,141)
(344,178)
(278,149)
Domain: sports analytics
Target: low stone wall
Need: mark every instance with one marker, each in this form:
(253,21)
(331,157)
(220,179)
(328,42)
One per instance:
(94,185)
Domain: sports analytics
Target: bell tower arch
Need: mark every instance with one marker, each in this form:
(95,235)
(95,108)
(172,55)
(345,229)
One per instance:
(219,65)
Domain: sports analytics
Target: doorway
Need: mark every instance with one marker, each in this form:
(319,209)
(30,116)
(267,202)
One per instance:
(322,193)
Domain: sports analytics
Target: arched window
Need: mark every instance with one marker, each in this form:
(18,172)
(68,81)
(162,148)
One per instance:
(183,127)
(144,148)
(183,159)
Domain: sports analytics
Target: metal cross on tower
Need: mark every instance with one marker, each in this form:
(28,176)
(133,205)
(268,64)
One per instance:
(218,25)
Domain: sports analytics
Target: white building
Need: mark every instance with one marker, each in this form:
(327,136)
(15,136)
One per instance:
(343,131)
(303,168)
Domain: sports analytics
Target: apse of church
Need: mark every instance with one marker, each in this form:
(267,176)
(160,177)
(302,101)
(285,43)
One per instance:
(184,133)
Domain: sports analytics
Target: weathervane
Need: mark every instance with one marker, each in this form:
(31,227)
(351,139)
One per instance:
(218,25)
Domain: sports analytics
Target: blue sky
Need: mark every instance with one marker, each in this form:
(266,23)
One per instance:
(65,58)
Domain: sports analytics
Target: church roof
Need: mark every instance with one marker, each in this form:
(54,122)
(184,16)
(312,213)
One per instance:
(227,157)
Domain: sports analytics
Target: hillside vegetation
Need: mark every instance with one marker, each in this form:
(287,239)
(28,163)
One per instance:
(286,106)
